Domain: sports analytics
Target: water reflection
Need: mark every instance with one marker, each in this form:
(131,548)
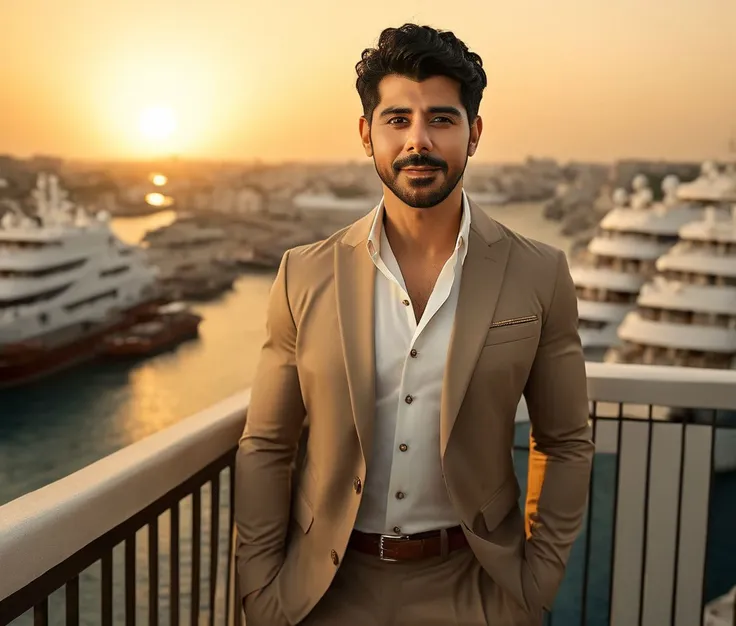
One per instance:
(159,179)
(132,229)
(159,199)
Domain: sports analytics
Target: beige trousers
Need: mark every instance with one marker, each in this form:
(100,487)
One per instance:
(450,591)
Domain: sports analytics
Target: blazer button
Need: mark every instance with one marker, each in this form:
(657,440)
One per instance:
(357,485)
(334,557)
(408,399)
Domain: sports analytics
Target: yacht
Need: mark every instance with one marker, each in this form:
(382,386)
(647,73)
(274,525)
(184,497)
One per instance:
(65,280)
(687,314)
(714,187)
(621,258)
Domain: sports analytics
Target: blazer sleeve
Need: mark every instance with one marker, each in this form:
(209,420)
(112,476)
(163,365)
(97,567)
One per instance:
(561,449)
(267,447)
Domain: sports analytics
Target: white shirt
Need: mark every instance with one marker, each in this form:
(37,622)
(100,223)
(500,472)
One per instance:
(404,491)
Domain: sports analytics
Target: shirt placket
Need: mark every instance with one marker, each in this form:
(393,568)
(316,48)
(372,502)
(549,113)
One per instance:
(400,496)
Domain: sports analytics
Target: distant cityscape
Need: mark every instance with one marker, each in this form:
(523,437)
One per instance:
(131,188)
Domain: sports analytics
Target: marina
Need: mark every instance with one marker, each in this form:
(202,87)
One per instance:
(124,406)
(157,163)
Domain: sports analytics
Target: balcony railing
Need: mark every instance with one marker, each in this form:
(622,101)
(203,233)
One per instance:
(145,535)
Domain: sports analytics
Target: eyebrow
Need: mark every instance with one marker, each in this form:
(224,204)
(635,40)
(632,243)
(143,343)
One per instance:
(406,111)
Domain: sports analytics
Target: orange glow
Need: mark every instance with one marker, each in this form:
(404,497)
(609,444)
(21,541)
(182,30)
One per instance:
(570,80)
(159,180)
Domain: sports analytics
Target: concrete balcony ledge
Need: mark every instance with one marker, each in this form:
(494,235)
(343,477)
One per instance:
(661,385)
(43,528)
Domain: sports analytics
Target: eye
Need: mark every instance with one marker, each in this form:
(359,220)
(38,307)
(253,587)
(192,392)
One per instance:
(394,119)
(444,120)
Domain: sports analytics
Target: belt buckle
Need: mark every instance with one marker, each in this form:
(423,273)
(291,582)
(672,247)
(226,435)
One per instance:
(381,547)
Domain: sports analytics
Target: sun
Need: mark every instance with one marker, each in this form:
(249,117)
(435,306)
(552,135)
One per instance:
(157,123)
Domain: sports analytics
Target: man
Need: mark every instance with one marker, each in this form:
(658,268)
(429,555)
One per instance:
(407,341)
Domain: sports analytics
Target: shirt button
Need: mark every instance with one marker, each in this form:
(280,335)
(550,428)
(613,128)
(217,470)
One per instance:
(405,302)
(400,495)
(357,484)
(403,447)
(334,557)
(413,353)
(397,530)
(408,399)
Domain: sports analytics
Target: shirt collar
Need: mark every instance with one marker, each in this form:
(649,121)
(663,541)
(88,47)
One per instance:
(461,245)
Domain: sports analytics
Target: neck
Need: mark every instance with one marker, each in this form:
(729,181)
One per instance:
(425,233)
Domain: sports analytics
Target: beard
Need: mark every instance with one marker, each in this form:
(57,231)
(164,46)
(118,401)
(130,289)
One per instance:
(421,192)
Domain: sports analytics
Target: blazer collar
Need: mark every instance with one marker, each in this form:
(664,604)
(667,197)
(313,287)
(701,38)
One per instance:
(489,230)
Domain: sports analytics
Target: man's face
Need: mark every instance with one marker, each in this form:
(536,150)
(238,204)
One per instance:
(420,138)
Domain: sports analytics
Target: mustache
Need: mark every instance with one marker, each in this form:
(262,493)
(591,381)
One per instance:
(419,160)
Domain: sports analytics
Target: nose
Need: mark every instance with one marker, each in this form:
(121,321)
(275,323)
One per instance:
(418,139)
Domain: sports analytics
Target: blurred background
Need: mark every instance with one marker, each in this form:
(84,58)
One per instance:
(157,158)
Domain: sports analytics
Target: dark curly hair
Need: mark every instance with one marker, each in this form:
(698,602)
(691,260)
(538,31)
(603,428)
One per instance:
(419,52)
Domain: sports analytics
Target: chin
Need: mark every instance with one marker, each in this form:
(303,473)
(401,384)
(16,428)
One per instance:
(421,192)
(425,200)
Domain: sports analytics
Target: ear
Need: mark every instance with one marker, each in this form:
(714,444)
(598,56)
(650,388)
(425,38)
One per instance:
(365,135)
(476,129)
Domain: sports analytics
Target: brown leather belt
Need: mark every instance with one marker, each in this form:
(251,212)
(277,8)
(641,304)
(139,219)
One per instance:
(396,548)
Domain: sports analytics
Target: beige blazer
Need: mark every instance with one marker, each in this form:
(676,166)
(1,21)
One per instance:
(515,333)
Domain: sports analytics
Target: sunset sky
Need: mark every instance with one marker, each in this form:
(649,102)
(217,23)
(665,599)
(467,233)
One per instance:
(240,79)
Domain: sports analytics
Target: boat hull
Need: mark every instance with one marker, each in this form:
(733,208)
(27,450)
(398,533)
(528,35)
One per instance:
(173,331)
(27,362)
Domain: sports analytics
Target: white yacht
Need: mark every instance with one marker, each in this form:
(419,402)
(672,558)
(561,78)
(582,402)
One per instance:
(687,314)
(621,258)
(714,187)
(65,280)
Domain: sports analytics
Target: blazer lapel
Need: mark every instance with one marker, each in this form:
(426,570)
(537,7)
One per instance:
(480,287)
(355,287)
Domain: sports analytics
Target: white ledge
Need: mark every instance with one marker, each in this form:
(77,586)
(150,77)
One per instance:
(43,528)
(662,385)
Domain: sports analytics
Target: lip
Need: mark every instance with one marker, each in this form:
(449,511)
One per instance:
(420,170)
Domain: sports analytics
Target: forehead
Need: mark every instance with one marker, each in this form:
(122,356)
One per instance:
(395,90)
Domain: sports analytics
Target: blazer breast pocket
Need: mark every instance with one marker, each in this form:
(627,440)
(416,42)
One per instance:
(512,329)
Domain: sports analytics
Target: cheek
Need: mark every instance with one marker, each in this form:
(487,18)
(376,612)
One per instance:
(453,148)
(456,162)
(384,156)
(388,140)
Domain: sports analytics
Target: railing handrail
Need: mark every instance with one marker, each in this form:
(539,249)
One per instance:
(662,385)
(120,485)
(43,528)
